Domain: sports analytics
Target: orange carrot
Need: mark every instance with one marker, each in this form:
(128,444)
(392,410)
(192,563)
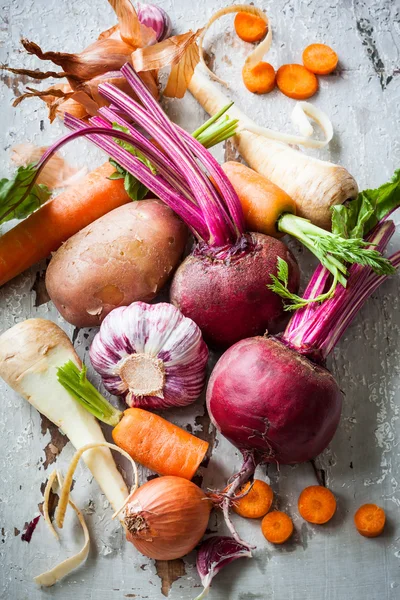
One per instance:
(262,201)
(255,503)
(370,520)
(320,59)
(250,28)
(158,444)
(296,82)
(57,220)
(277,527)
(317,504)
(259,79)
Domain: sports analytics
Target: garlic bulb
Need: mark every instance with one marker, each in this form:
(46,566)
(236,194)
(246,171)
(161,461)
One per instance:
(150,354)
(156,18)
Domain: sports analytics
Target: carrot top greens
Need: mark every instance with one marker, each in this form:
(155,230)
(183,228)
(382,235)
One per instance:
(345,244)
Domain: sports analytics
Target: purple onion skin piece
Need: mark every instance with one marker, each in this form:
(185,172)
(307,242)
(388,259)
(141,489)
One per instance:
(214,554)
(30,528)
(151,355)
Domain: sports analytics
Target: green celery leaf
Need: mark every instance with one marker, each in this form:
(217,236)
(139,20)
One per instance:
(12,193)
(356,218)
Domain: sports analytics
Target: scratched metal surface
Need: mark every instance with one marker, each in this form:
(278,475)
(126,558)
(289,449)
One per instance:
(362,464)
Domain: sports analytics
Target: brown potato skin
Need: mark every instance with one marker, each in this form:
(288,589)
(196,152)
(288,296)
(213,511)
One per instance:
(125,256)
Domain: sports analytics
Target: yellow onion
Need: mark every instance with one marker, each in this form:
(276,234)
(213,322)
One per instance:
(167,517)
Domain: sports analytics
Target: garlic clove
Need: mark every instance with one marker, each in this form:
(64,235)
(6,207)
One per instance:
(156,18)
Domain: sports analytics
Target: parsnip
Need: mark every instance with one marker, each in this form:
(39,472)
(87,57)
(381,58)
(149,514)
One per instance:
(30,353)
(315,185)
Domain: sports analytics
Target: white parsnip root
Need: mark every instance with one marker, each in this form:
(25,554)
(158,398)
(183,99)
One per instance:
(30,354)
(314,185)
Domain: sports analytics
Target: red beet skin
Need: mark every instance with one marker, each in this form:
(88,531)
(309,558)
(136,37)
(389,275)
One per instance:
(267,398)
(229,299)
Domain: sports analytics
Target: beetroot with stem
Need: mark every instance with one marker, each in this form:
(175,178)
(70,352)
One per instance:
(273,398)
(224,291)
(223,285)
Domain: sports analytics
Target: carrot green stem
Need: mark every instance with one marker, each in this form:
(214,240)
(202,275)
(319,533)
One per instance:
(76,383)
(333,251)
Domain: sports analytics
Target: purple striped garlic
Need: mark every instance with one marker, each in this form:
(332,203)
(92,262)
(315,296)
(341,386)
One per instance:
(156,18)
(151,355)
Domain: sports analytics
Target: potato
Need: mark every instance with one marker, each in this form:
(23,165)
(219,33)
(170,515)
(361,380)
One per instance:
(126,255)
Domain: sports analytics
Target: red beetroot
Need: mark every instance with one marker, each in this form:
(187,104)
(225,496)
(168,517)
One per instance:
(268,398)
(228,297)
(273,398)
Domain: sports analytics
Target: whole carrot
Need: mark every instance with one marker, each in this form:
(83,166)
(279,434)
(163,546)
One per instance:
(149,439)
(46,229)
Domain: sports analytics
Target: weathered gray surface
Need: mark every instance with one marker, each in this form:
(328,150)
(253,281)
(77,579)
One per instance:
(362,465)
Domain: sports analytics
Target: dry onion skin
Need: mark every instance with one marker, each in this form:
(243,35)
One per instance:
(56,173)
(167,517)
(179,51)
(255,55)
(107,54)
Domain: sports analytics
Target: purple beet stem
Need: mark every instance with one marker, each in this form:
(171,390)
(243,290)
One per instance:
(209,202)
(315,330)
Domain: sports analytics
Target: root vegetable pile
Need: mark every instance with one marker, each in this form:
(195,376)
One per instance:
(225,279)
(121,233)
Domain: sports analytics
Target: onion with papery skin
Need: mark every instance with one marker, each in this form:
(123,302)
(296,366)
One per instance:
(150,354)
(167,517)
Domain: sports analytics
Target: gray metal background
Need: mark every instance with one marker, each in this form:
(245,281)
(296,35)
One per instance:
(362,464)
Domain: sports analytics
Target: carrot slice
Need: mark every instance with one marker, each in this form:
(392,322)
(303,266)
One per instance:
(370,520)
(317,504)
(250,28)
(259,79)
(295,81)
(256,503)
(277,527)
(320,59)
